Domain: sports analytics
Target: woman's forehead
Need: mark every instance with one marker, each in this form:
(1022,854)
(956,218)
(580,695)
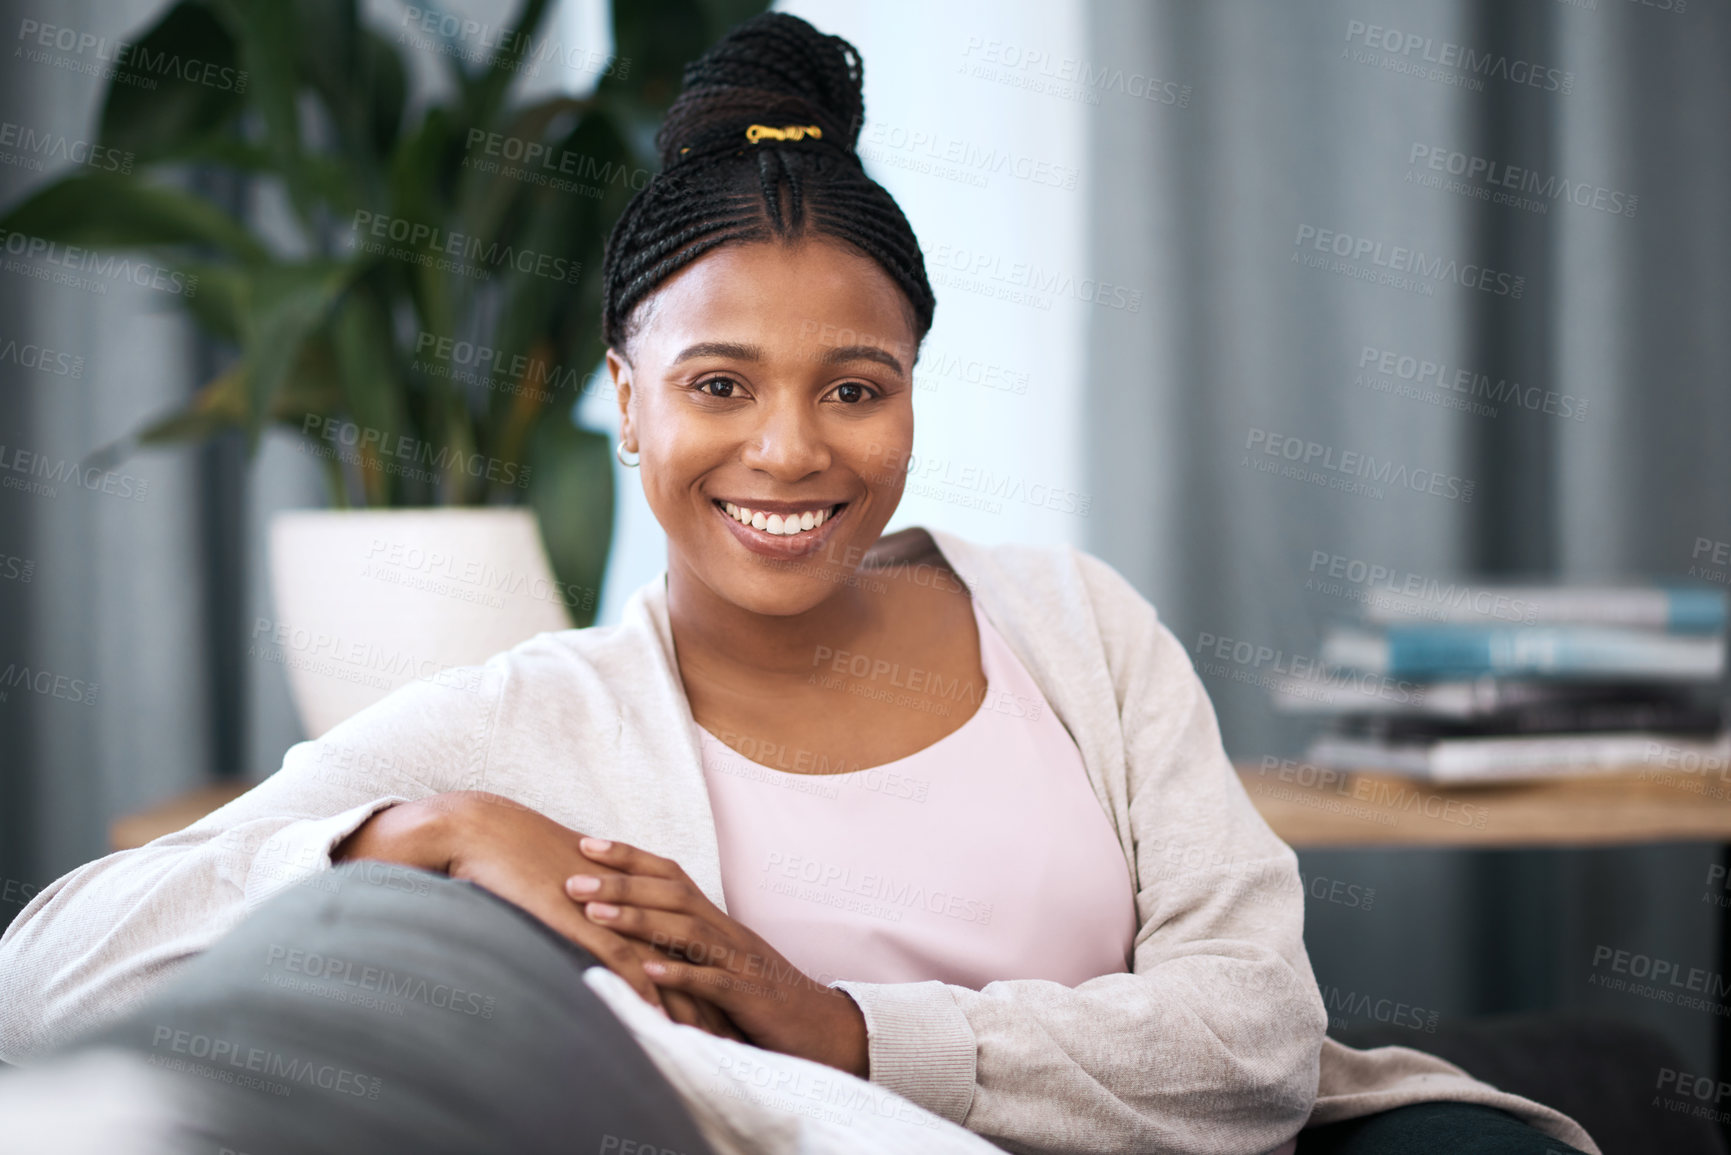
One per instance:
(814,294)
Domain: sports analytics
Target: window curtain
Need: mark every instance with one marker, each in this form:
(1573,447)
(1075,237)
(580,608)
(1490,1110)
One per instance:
(1324,250)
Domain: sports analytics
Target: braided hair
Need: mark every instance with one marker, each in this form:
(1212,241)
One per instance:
(718,187)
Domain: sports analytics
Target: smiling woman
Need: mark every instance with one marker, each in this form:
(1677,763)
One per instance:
(728,405)
(1033,905)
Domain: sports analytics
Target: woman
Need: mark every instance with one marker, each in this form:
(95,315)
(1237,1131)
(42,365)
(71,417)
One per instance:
(955,820)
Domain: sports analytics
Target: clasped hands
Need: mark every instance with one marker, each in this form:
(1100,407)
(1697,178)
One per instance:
(637,912)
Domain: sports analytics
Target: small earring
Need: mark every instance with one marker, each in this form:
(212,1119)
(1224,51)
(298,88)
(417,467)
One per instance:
(619,452)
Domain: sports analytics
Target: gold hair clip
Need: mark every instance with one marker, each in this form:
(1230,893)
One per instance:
(759,132)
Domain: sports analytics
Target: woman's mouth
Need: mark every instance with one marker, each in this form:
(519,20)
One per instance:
(788,531)
(781,524)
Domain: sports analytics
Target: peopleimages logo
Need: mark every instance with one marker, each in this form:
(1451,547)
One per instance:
(78,259)
(1400,259)
(1448,54)
(1036,280)
(42,473)
(1423,373)
(1489,177)
(463,253)
(40,358)
(29,149)
(1364,466)
(372,444)
(35,38)
(1409,592)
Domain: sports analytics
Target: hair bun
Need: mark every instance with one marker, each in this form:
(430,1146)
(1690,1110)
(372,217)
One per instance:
(774,69)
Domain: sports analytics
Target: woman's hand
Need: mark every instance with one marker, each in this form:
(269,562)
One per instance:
(649,898)
(523,857)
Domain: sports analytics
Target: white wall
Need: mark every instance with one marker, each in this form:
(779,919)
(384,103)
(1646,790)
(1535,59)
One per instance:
(990,171)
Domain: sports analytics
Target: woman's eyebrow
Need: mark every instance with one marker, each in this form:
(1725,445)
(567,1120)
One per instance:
(841,354)
(731,349)
(837,355)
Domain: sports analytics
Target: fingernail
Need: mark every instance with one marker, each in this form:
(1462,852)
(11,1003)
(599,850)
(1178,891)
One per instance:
(602,910)
(598,845)
(584,883)
(654,968)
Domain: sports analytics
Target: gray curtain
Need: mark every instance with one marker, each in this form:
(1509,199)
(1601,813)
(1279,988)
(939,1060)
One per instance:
(96,555)
(1305,126)
(149,598)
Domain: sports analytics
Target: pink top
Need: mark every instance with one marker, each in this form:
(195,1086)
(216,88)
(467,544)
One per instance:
(984,856)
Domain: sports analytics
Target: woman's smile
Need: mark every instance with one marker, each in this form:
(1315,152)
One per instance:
(781,529)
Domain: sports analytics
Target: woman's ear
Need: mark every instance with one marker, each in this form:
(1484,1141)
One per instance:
(619,369)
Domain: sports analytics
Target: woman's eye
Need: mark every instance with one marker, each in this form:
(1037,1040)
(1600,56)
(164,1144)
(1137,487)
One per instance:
(716,387)
(851,392)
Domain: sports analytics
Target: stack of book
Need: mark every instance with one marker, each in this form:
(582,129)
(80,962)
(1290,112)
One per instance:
(1521,682)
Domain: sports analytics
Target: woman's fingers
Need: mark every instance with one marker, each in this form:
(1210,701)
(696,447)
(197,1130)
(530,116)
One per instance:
(700,1013)
(710,984)
(617,953)
(677,934)
(682,1008)
(630,859)
(715,1019)
(632,890)
(670,914)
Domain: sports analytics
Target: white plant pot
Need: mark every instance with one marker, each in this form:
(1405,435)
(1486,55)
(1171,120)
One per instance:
(368,600)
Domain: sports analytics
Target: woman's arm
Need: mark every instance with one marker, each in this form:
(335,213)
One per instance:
(94,941)
(1211,1043)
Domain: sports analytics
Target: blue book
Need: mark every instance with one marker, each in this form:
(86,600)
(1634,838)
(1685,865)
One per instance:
(1422,652)
(1678,608)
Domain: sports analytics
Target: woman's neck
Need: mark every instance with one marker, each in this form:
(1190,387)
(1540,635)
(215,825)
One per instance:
(719,641)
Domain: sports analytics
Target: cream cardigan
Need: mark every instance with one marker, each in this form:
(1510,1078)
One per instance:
(1213,1042)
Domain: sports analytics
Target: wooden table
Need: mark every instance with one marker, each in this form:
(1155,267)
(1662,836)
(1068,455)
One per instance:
(134,830)
(1311,809)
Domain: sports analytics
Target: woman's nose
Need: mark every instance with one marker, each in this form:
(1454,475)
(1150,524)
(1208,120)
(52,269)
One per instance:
(787,443)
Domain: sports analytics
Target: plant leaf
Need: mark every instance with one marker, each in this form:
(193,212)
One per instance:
(483,96)
(176,87)
(102,210)
(654,40)
(266,31)
(369,379)
(220,298)
(724,14)
(285,303)
(484,200)
(218,405)
(359,77)
(571,491)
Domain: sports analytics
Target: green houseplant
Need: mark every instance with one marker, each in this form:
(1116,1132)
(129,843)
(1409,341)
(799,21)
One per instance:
(435,316)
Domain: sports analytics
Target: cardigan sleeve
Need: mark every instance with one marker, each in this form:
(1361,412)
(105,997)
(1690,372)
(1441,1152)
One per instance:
(97,939)
(1211,1041)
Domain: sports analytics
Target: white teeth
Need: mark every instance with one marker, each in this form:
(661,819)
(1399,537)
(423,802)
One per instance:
(783,525)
